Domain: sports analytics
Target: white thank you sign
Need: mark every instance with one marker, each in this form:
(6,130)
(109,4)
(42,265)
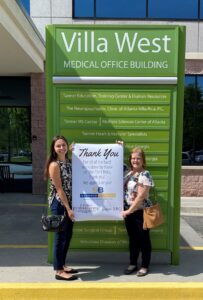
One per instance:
(97,191)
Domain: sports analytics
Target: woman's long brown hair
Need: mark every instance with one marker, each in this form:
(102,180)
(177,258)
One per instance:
(53,156)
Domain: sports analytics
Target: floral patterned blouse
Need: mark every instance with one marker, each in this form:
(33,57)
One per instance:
(131,182)
(66,178)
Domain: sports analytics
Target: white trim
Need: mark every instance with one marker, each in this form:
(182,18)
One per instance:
(114,80)
(194,55)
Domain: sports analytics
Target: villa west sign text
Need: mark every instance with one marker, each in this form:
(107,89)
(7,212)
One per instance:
(88,42)
(120,51)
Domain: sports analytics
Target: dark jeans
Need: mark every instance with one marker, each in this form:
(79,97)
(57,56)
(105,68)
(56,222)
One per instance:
(139,239)
(62,239)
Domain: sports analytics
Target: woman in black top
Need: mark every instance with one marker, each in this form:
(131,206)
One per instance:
(58,170)
(137,184)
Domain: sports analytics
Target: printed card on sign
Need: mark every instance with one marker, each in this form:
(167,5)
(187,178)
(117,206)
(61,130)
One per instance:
(97,190)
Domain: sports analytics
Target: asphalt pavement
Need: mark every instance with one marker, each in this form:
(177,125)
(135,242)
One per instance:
(24,252)
(23,248)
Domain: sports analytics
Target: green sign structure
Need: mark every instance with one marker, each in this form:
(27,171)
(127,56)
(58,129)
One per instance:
(108,83)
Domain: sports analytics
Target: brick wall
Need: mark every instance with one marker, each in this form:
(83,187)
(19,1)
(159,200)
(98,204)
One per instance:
(38,121)
(193,66)
(192,181)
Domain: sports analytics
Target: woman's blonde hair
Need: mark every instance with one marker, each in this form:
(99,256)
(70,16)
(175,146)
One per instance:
(141,152)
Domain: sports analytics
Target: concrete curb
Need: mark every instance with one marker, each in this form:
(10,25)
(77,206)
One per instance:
(110,291)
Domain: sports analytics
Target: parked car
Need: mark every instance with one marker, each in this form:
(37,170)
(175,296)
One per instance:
(186,159)
(3,156)
(199,156)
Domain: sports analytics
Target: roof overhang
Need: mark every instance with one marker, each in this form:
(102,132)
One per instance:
(22,49)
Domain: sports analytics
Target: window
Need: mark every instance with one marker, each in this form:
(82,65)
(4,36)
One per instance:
(120,9)
(25,4)
(173,9)
(139,9)
(83,9)
(15,120)
(15,135)
(193,118)
(201,9)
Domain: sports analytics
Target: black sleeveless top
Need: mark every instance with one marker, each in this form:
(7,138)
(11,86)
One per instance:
(66,179)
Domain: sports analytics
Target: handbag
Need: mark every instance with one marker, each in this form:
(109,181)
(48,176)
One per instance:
(152,215)
(53,223)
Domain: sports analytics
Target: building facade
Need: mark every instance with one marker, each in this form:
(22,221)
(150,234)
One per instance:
(22,27)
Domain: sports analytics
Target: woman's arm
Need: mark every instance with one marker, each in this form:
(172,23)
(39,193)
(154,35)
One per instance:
(142,192)
(54,173)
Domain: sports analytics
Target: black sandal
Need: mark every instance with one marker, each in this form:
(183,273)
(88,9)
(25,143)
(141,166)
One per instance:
(130,269)
(59,277)
(142,273)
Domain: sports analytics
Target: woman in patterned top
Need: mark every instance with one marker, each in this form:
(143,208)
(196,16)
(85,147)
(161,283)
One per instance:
(58,170)
(137,184)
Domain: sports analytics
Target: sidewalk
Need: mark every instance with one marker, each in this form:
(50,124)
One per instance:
(23,260)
